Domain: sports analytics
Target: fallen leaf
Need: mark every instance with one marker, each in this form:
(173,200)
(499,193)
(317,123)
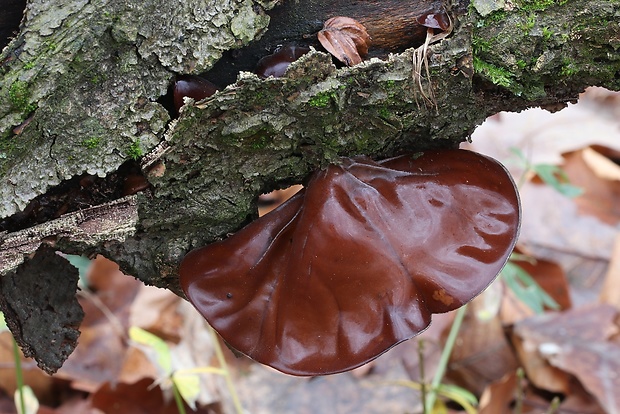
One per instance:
(482,355)
(497,398)
(38,380)
(574,342)
(102,347)
(549,276)
(589,170)
(270,201)
(346,39)
(141,397)
(610,292)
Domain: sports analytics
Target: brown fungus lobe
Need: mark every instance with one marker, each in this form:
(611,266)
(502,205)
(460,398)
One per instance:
(357,261)
(435,19)
(276,64)
(192,86)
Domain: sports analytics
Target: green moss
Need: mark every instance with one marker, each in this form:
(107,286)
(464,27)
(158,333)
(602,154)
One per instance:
(480,46)
(499,76)
(539,5)
(494,17)
(134,151)
(322,99)
(51,46)
(385,113)
(568,69)
(19,95)
(528,24)
(522,64)
(547,33)
(29,65)
(259,142)
(92,142)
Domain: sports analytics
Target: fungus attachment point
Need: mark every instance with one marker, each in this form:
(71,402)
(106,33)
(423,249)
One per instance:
(358,260)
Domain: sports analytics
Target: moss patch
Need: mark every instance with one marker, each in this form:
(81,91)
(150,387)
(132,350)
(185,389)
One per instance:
(92,142)
(322,99)
(134,151)
(19,95)
(539,5)
(498,76)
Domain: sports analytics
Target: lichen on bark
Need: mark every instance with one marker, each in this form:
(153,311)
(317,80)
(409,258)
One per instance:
(83,72)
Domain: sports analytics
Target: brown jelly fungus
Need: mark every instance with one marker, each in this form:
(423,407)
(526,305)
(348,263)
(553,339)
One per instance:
(276,64)
(357,261)
(191,86)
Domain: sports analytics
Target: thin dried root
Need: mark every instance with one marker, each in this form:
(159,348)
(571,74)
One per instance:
(420,65)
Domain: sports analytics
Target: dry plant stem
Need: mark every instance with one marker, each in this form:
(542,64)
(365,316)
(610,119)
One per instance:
(222,361)
(420,62)
(422,376)
(114,321)
(520,392)
(429,403)
(178,399)
(554,406)
(18,376)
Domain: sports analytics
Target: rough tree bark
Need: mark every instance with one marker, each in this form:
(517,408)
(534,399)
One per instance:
(82,81)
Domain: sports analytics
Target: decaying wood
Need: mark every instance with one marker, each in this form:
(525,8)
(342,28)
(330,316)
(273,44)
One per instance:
(41,309)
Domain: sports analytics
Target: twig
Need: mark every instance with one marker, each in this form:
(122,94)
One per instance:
(422,377)
(19,376)
(520,392)
(445,357)
(222,361)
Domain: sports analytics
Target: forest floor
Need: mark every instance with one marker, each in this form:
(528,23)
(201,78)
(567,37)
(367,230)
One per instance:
(513,358)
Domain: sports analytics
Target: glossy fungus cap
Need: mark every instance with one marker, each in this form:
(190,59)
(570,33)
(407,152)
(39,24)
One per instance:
(276,64)
(192,86)
(357,261)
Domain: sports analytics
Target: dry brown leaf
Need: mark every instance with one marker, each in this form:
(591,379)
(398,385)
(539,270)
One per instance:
(610,292)
(600,163)
(482,355)
(575,342)
(141,397)
(550,277)
(155,310)
(346,39)
(601,197)
(101,351)
(497,398)
(270,201)
(538,369)
(40,382)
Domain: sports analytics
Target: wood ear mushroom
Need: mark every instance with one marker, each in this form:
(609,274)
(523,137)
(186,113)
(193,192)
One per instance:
(276,64)
(192,86)
(358,261)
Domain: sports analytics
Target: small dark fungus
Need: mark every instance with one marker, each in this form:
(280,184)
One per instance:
(346,39)
(357,261)
(191,86)
(276,64)
(134,183)
(435,19)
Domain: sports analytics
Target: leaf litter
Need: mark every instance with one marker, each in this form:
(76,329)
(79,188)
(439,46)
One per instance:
(510,355)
